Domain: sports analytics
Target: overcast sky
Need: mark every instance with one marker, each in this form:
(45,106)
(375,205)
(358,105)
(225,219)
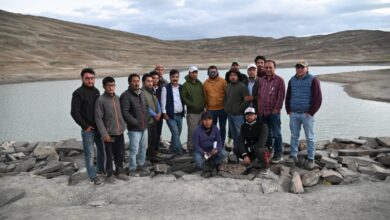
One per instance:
(184,19)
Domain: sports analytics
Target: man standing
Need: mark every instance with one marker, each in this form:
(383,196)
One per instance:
(252,142)
(135,113)
(260,61)
(252,86)
(303,100)
(208,144)
(235,103)
(214,92)
(173,109)
(83,112)
(271,94)
(193,97)
(242,77)
(160,70)
(155,113)
(110,123)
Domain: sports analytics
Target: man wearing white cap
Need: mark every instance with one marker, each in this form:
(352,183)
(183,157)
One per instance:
(252,85)
(192,95)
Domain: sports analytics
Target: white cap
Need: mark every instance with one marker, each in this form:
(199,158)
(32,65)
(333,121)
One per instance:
(249,110)
(251,65)
(192,69)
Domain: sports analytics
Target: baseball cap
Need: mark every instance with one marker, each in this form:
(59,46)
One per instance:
(252,65)
(192,69)
(302,63)
(249,110)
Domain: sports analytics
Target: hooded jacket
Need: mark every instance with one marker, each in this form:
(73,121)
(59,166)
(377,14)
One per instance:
(192,95)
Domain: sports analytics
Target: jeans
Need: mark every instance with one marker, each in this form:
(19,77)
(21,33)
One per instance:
(89,138)
(274,133)
(192,122)
(175,126)
(138,144)
(235,122)
(216,160)
(296,121)
(116,150)
(221,117)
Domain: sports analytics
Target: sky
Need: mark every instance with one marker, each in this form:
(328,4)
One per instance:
(196,19)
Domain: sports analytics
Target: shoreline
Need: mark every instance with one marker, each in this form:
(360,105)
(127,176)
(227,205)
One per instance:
(371,85)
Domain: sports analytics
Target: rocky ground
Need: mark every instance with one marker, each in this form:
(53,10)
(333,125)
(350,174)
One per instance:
(48,180)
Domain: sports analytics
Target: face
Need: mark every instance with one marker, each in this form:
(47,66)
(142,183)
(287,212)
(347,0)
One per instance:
(252,72)
(148,82)
(193,75)
(160,70)
(135,83)
(214,73)
(233,77)
(235,67)
(155,80)
(207,123)
(110,87)
(301,70)
(88,79)
(269,69)
(175,79)
(260,64)
(250,117)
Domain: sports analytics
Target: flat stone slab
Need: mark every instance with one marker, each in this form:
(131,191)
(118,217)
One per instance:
(322,144)
(69,145)
(26,165)
(9,196)
(360,161)
(371,141)
(234,169)
(311,178)
(51,166)
(349,141)
(349,175)
(161,168)
(77,177)
(332,176)
(354,152)
(383,141)
(380,172)
(384,160)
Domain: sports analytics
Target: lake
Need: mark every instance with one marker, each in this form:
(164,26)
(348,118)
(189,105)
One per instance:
(40,111)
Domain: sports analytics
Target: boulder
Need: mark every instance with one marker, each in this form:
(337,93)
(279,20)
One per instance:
(332,176)
(178,174)
(68,171)
(349,141)
(69,145)
(3,167)
(384,160)
(8,196)
(31,146)
(78,176)
(354,152)
(327,160)
(268,187)
(73,153)
(311,178)
(371,142)
(383,141)
(10,168)
(320,145)
(296,184)
(161,168)
(349,175)
(45,151)
(17,156)
(26,165)
(380,172)
(302,145)
(366,170)
(51,166)
(334,154)
(360,161)
(7,147)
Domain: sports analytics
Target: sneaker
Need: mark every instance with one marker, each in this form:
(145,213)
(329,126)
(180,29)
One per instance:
(229,141)
(276,159)
(100,173)
(265,171)
(122,177)
(96,181)
(133,173)
(110,179)
(309,164)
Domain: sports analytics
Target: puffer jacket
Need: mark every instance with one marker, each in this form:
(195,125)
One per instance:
(134,109)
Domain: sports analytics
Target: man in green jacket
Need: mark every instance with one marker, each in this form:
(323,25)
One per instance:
(192,95)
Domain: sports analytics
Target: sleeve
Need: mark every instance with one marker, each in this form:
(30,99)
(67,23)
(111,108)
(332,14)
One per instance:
(261,142)
(163,100)
(99,115)
(244,104)
(158,107)
(255,93)
(219,139)
(288,98)
(281,94)
(184,96)
(196,142)
(317,96)
(151,112)
(75,111)
(243,151)
(125,106)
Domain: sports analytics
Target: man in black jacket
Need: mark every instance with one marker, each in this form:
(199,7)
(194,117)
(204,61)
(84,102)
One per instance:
(252,142)
(83,112)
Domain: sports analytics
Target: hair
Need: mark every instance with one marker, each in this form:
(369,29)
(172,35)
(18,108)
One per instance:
(154,73)
(108,79)
(131,76)
(87,70)
(260,58)
(173,72)
(146,75)
(271,61)
(212,67)
(238,73)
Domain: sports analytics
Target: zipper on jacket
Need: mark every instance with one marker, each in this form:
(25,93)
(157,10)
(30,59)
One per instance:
(116,114)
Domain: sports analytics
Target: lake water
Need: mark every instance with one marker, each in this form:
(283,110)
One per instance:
(40,111)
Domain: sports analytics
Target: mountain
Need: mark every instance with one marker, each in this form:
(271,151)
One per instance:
(37,48)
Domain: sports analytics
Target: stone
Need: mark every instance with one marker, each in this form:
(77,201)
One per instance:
(302,145)
(17,156)
(3,167)
(51,166)
(185,167)
(366,170)
(311,178)
(10,168)
(384,160)
(334,154)
(380,172)
(332,166)
(161,168)
(78,161)
(371,142)
(383,141)
(78,176)
(326,160)
(10,157)
(332,176)
(69,145)
(8,196)
(45,151)
(179,174)
(235,169)
(334,146)
(349,141)
(268,187)
(7,149)
(360,161)
(181,159)
(320,145)
(31,146)
(26,165)
(73,153)
(349,175)
(52,175)
(99,203)
(296,184)
(68,171)
(354,152)
(232,158)
(224,174)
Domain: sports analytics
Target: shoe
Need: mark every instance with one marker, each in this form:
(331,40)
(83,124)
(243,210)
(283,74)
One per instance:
(122,177)
(265,171)
(276,159)
(291,161)
(309,164)
(229,141)
(100,173)
(133,173)
(110,179)
(96,181)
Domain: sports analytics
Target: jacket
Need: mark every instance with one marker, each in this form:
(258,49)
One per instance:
(83,106)
(235,94)
(154,105)
(203,142)
(252,136)
(134,109)
(108,115)
(214,92)
(192,95)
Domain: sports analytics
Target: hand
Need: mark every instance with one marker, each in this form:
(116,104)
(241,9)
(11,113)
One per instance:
(213,152)
(90,128)
(166,117)
(249,98)
(157,117)
(246,161)
(107,138)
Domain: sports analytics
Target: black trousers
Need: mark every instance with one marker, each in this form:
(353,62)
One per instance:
(115,151)
(260,153)
(153,139)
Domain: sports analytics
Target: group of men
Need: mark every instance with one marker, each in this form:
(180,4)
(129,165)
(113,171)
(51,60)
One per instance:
(251,104)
